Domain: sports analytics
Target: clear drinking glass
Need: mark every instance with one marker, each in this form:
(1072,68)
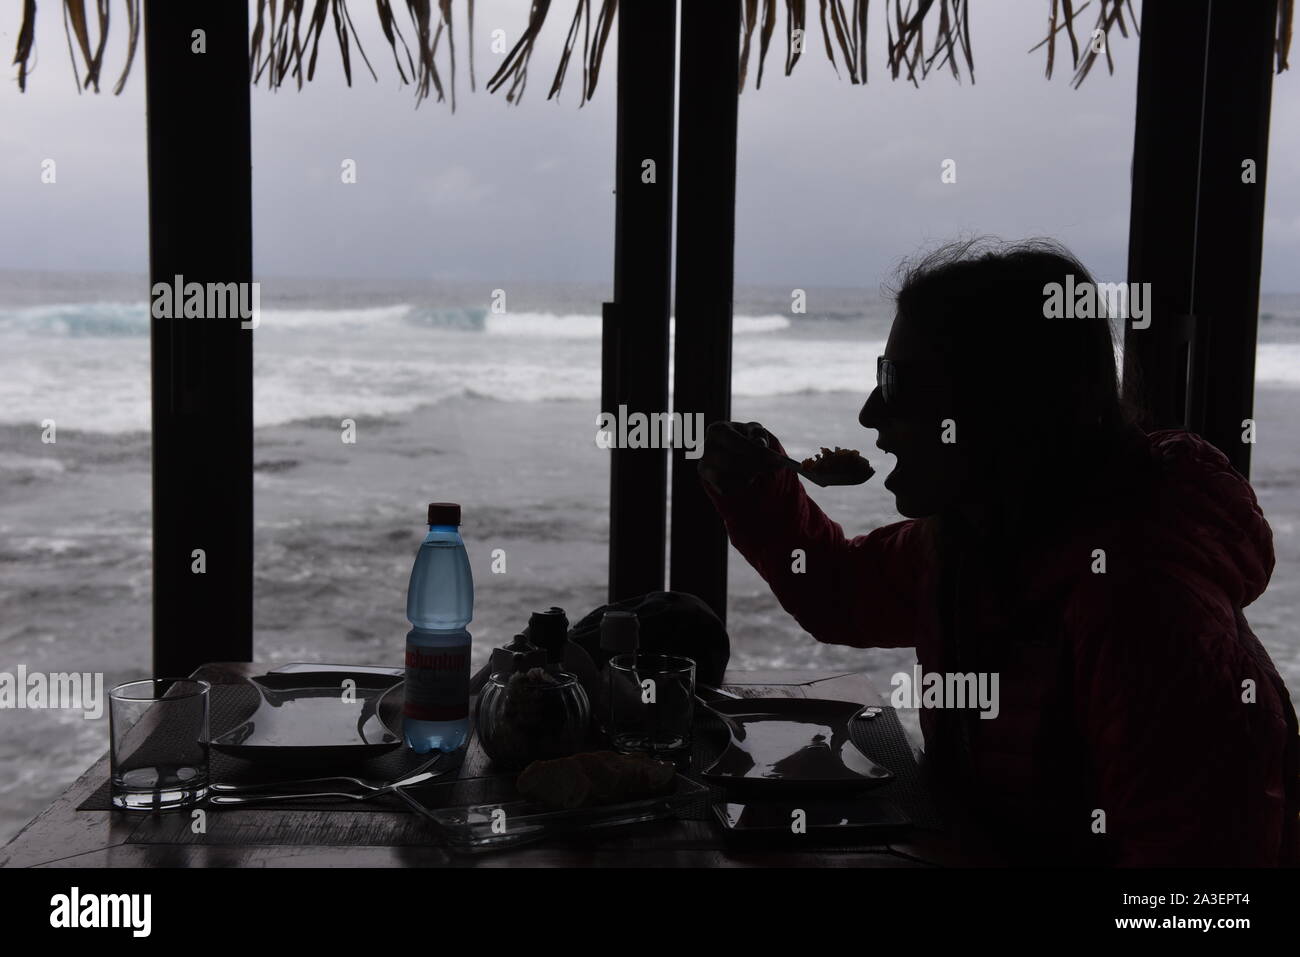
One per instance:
(651,703)
(159,755)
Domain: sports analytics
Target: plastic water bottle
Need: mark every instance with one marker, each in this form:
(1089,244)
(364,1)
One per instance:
(439,604)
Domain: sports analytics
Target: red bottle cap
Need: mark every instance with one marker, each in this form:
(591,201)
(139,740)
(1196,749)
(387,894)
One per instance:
(444,513)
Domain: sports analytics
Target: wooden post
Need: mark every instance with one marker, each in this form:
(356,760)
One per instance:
(706,240)
(1196,223)
(200,228)
(638,353)
(1162,216)
(1230,222)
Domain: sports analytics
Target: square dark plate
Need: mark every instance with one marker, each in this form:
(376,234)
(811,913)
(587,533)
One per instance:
(305,718)
(791,745)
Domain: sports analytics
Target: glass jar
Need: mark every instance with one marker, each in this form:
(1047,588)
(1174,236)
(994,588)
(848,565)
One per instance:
(532,715)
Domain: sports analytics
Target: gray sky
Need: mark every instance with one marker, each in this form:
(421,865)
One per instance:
(836,182)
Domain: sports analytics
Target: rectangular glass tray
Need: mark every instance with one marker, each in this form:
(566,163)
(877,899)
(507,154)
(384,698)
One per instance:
(489,825)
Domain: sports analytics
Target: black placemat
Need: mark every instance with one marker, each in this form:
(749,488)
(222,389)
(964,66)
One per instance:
(229,706)
(882,740)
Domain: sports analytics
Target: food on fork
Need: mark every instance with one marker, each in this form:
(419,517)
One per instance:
(839,461)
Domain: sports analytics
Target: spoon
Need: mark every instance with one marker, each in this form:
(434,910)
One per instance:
(858,471)
(828,477)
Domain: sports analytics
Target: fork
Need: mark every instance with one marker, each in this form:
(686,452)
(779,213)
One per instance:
(357,782)
(263,796)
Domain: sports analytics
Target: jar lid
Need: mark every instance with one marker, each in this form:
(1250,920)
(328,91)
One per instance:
(620,631)
(549,630)
(520,643)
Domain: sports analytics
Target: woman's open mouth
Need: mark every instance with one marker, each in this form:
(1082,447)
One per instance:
(893,474)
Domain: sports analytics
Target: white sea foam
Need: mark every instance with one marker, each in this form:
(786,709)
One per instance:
(87,365)
(113,319)
(26,463)
(543,325)
(1278,363)
(549,326)
(318,318)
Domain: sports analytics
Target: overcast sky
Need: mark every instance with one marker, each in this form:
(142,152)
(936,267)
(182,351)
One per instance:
(836,182)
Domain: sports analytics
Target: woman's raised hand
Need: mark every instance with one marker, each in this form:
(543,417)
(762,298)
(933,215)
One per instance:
(736,453)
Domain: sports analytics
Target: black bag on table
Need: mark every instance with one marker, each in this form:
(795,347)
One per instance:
(671,623)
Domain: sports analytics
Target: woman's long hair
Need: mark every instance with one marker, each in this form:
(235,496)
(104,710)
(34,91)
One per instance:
(1038,406)
(1038,393)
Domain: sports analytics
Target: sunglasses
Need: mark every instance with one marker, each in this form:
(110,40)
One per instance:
(905,386)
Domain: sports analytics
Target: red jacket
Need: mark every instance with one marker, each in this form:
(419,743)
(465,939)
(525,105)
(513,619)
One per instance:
(1127,730)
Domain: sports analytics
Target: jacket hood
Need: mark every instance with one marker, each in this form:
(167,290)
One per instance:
(1206,518)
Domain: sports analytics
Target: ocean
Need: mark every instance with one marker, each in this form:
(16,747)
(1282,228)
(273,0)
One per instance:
(451,401)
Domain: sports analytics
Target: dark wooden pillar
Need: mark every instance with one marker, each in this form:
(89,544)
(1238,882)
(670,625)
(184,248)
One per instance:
(1162,216)
(636,323)
(706,240)
(200,227)
(1196,228)
(1230,222)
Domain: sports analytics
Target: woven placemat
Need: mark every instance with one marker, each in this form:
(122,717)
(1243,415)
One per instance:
(232,704)
(882,740)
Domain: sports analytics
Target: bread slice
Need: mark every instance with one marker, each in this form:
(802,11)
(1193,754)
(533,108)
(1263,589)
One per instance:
(594,777)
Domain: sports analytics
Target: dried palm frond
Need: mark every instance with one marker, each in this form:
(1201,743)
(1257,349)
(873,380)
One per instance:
(279,41)
(76,26)
(1110,14)
(795,35)
(952,35)
(25,36)
(1282,38)
(515,65)
(516,61)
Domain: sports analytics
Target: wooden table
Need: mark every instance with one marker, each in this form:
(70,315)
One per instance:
(261,837)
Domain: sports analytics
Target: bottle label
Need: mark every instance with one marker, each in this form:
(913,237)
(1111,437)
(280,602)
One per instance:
(437,683)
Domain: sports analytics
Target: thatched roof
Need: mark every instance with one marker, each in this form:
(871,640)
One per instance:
(922,36)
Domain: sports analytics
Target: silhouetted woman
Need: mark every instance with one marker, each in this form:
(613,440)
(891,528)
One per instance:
(1098,570)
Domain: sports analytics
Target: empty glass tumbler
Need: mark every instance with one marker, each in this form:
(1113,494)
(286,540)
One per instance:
(651,701)
(159,755)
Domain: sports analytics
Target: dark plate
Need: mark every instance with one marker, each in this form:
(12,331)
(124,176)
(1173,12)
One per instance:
(791,744)
(302,718)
